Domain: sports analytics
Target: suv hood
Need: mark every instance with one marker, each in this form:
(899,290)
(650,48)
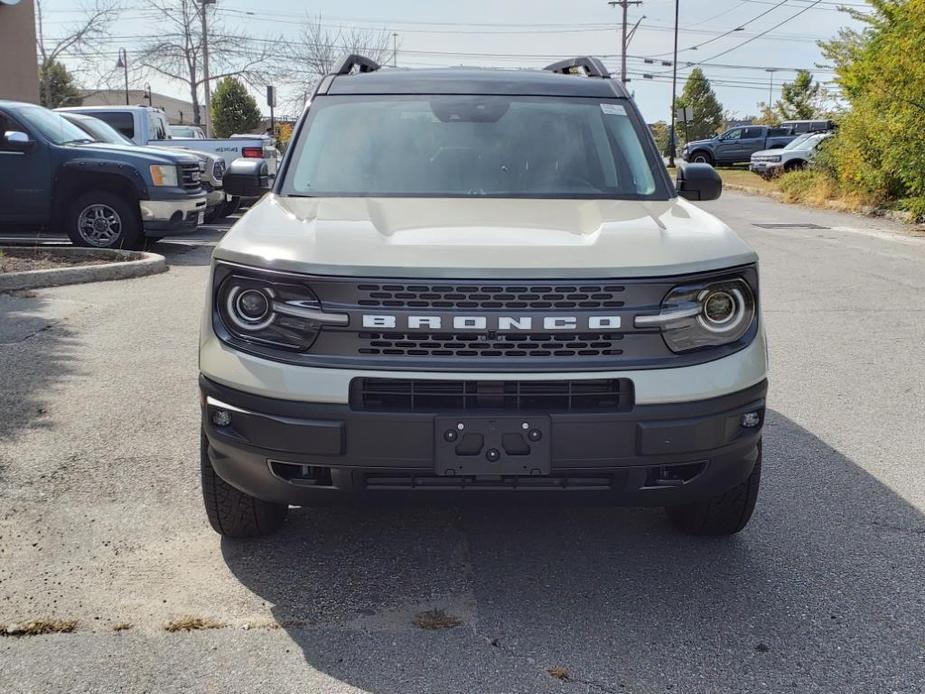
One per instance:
(695,143)
(487,237)
(149,155)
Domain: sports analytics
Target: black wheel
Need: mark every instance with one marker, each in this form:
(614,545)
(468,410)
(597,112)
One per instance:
(725,514)
(794,165)
(213,214)
(100,219)
(702,157)
(231,512)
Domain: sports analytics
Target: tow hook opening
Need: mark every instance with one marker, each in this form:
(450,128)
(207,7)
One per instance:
(672,475)
(301,474)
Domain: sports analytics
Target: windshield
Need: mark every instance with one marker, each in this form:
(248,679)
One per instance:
(51,125)
(180,131)
(798,142)
(102,132)
(479,146)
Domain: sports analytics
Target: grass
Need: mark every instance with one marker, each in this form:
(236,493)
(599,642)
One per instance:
(189,623)
(38,627)
(436,619)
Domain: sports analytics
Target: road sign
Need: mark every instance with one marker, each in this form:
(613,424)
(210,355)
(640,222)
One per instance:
(271,96)
(685,115)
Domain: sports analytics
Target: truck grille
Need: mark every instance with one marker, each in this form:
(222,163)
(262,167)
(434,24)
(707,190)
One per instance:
(190,177)
(503,345)
(404,395)
(498,297)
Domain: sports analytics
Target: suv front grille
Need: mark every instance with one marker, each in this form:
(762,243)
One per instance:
(190,177)
(407,395)
(469,296)
(550,345)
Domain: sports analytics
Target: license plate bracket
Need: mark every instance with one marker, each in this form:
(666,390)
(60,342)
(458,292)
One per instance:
(492,445)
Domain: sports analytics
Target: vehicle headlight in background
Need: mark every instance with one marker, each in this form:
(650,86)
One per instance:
(708,314)
(773,158)
(274,313)
(164,175)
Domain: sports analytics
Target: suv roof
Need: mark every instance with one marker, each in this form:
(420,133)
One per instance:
(472,81)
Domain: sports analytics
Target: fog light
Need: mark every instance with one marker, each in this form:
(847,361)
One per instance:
(751,419)
(221,418)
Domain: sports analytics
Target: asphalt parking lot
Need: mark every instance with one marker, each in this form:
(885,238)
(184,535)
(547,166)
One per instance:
(101,519)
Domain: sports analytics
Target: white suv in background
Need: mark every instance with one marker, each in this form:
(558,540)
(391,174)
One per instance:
(797,155)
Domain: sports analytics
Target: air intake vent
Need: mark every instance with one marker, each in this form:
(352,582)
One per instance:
(491,297)
(400,395)
(546,345)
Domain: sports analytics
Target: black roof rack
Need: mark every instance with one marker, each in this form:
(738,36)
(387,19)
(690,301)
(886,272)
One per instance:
(360,62)
(592,67)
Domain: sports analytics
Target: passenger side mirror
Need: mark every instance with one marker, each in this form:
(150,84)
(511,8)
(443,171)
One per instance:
(16,141)
(247,178)
(699,182)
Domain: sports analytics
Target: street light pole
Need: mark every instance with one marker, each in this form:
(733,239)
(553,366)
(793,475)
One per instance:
(394,49)
(770,71)
(123,63)
(674,84)
(205,66)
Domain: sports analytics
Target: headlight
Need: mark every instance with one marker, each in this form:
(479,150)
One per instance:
(164,175)
(704,315)
(774,158)
(277,314)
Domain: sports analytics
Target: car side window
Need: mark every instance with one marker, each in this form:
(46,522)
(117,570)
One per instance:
(159,131)
(751,133)
(733,134)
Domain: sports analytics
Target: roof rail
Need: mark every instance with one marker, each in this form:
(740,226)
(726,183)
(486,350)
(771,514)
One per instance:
(592,67)
(360,62)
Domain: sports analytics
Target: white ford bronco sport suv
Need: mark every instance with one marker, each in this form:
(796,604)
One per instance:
(479,283)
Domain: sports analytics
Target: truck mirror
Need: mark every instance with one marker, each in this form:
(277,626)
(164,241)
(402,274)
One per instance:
(247,178)
(16,140)
(699,182)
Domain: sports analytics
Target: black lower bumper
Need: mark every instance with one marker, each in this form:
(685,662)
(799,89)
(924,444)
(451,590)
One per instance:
(308,453)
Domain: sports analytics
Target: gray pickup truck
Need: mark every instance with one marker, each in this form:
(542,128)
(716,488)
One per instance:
(53,174)
(737,145)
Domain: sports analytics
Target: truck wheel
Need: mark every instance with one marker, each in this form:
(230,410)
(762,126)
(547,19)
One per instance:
(100,219)
(702,157)
(725,514)
(231,512)
(794,165)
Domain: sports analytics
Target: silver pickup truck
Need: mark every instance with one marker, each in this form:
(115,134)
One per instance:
(148,126)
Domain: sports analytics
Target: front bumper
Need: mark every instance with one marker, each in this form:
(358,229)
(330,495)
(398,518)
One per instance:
(298,453)
(163,217)
(765,168)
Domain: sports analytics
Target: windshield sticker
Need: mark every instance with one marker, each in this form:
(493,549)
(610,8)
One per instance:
(613,109)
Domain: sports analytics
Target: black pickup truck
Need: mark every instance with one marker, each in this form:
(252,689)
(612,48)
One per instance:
(105,196)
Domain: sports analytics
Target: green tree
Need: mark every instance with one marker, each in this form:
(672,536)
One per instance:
(879,153)
(233,109)
(708,112)
(799,100)
(56,85)
(660,130)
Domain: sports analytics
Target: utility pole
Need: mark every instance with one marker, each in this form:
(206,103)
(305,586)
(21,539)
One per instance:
(770,71)
(394,49)
(625,5)
(205,66)
(674,85)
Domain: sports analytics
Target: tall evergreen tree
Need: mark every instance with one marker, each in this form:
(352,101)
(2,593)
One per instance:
(708,112)
(56,85)
(233,109)
(799,100)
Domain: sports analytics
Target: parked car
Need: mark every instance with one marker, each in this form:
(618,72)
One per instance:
(479,283)
(736,145)
(107,196)
(211,166)
(145,125)
(192,132)
(797,155)
(808,126)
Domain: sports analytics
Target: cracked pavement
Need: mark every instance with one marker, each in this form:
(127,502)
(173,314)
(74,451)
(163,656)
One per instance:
(101,518)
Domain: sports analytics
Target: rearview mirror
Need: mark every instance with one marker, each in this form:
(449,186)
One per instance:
(699,182)
(247,178)
(16,140)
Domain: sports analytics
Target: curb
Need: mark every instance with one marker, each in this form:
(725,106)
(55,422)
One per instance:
(127,264)
(834,205)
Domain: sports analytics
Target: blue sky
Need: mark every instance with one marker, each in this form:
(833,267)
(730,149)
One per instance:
(525,33)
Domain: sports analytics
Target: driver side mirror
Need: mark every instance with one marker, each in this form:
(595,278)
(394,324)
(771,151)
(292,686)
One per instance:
(699,182)
(16,141)
(247,178)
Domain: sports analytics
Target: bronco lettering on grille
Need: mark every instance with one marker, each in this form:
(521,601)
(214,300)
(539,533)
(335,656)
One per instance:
(497,323)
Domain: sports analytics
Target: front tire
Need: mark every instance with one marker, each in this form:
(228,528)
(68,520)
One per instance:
(701,157)
(724,514)
(100,219)
(231,512)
